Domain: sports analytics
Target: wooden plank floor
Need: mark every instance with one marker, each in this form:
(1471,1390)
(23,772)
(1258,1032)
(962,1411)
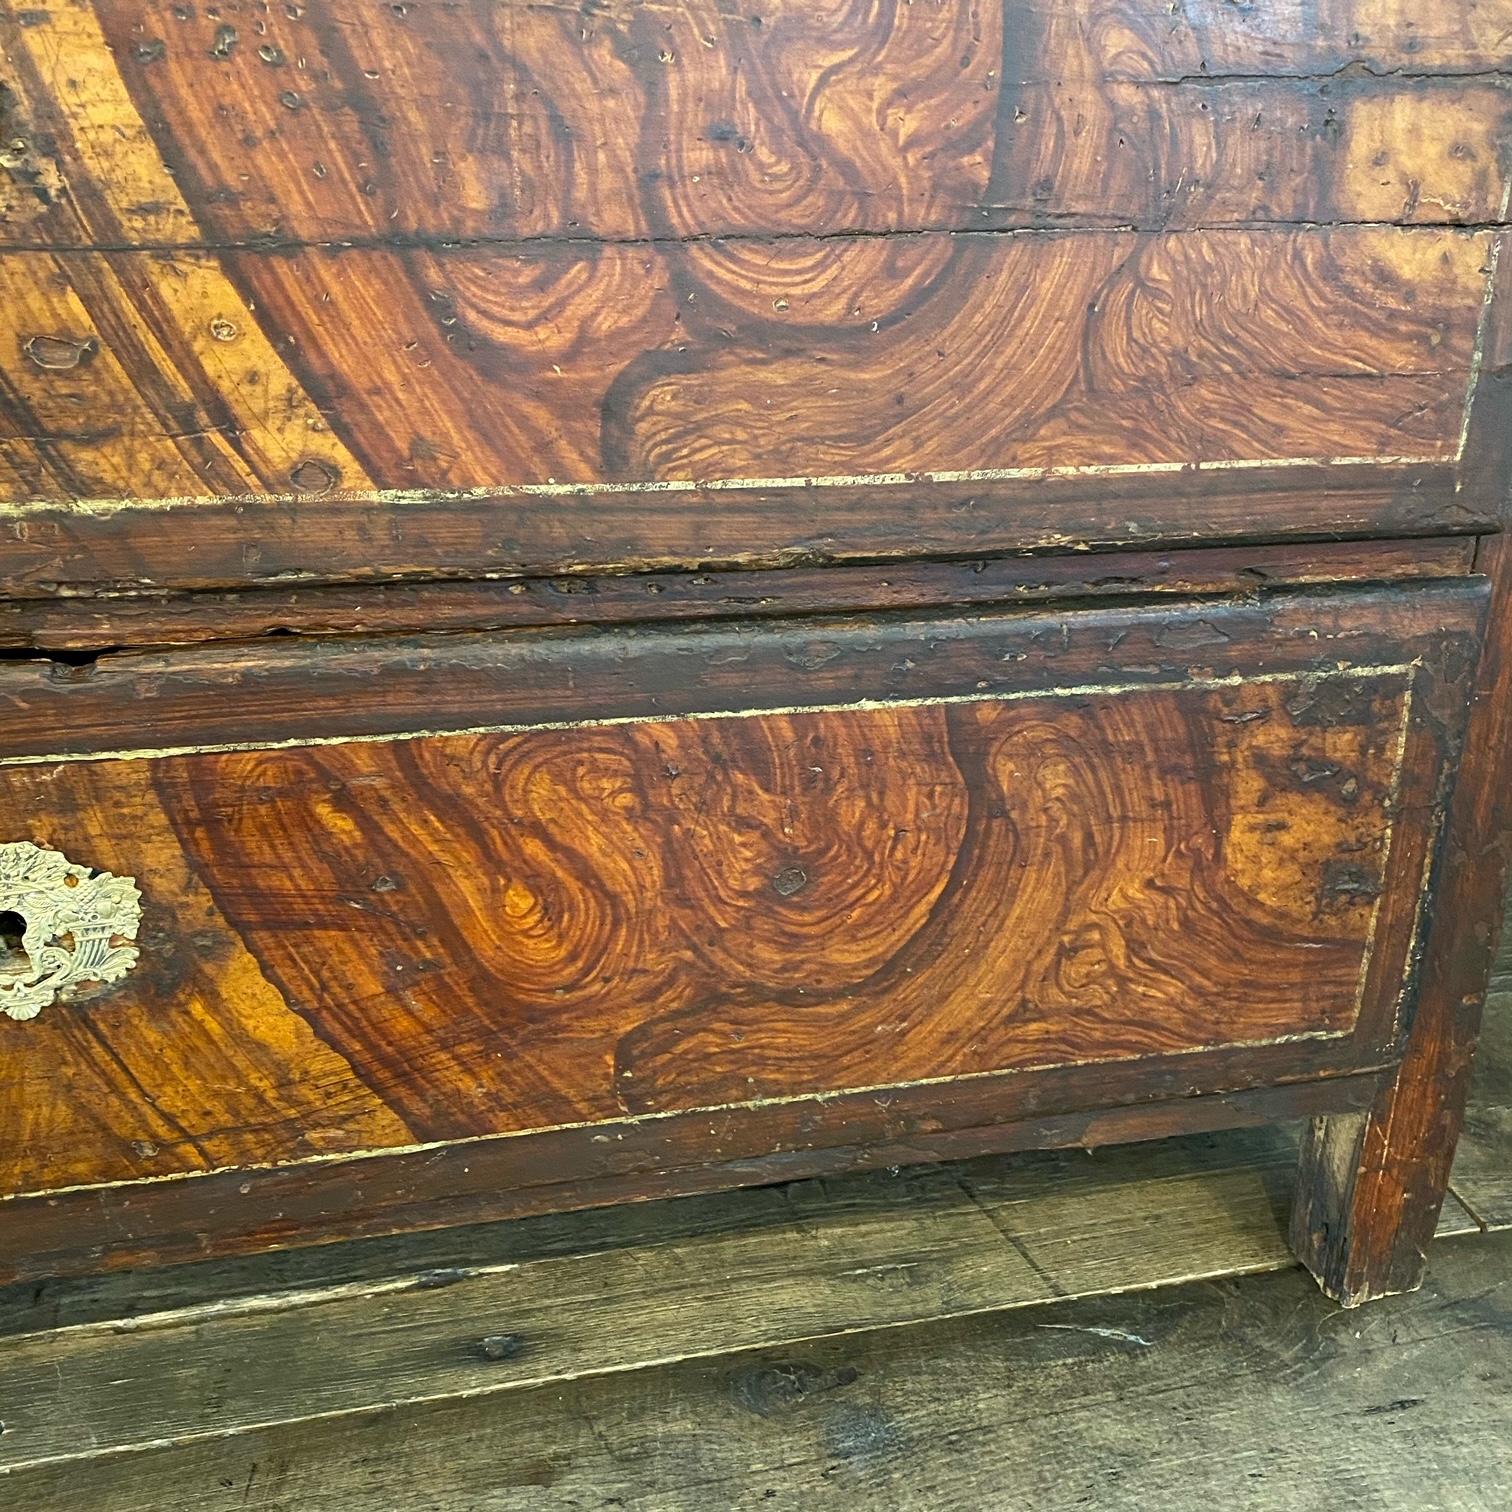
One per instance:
(1254,1393)
(1483,1164)
(877,1341)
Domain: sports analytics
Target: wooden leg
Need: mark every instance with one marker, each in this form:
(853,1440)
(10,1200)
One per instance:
(1371,1184)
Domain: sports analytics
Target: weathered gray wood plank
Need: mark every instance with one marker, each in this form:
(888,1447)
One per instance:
(1030,1193)
(812,1260)
(118,1362)
(1482,1177)
(1259,1394)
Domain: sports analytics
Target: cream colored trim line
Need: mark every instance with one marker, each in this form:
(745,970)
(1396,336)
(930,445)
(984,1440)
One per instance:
(552,489)
(1388,847)
(1018,695)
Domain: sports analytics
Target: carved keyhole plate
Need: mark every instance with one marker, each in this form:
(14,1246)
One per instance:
(76,927)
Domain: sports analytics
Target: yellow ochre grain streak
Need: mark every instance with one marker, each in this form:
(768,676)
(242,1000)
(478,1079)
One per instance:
(197,346)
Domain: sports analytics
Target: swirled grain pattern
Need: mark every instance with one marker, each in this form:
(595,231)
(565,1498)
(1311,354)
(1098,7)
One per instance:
(402,271)
(153,123)
(145,377)
(367,945)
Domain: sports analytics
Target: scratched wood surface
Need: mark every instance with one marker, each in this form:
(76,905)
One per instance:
(181,1356)
(165,618)
(700,914)
(219,1358)
(508,287)
(517,290)
(501,119)
(190,374)
(1250,1394)
(1482,1175)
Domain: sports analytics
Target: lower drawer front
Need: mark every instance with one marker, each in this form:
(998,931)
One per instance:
(897,874)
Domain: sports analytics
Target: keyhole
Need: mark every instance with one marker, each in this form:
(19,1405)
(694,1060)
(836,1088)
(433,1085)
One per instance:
(13,959)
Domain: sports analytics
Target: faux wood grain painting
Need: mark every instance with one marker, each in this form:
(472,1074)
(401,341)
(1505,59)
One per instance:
(505,119)
(495,285)
(382,941)
(485,934)
(865,582)
(965,354)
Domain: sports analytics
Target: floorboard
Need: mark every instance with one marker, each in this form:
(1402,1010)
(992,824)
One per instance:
(1256,1393)
(1482,1177)
(800,1262)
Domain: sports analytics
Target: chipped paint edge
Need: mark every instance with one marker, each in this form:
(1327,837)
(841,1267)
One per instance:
(550,488)
(1482,328)
(611,721)
(1388,849)
(752,1105)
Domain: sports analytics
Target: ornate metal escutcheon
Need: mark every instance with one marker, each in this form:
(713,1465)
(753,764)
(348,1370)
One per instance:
(65,927)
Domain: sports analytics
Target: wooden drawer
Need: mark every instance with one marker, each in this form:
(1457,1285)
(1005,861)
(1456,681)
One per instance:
(439,927)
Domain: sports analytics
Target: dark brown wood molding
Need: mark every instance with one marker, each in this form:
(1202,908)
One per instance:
(292,690)
(237,1211)
(104,623)
(329,538)
(1371,1183)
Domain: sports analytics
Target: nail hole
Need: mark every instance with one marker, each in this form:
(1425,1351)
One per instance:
(313,476)
(501,1346)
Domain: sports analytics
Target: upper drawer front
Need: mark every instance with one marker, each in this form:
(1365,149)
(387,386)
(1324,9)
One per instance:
(687,282)
(404,893)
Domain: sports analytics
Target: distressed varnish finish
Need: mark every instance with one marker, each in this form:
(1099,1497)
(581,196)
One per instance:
(512,291)
(704,914)
(1038,867)
(476,369)
(284,690)
(1370,1184)
(856,242)
(501,119)
(104,624)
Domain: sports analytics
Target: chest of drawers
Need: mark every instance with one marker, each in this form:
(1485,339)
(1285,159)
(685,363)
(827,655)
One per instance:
(603,601)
